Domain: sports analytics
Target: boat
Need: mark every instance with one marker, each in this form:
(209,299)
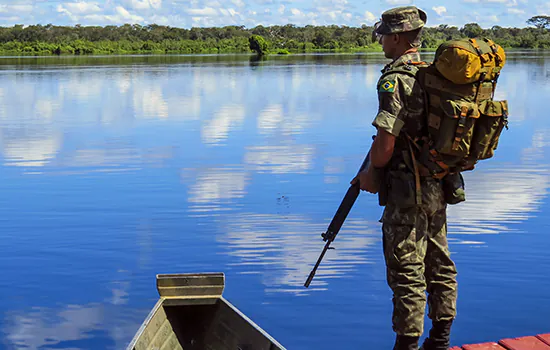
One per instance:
(191,313)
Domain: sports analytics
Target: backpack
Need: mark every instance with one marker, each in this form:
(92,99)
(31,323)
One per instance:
(464,121)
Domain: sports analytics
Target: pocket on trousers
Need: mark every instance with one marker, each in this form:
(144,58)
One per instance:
(401,189)
(399,235)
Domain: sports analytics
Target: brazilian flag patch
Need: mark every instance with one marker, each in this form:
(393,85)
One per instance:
(387,86)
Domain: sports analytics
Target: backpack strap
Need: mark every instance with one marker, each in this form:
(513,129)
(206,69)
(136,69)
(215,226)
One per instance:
(418,186)
(460,128)
(494,48)
(410,69)
(478,50)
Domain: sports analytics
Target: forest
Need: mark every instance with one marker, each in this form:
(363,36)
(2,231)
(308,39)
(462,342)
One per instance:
(156,39)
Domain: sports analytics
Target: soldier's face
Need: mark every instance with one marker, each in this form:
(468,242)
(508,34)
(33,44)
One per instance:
(389,44)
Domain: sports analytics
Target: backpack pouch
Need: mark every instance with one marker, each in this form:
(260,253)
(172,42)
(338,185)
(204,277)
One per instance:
(493,118)
(456,129)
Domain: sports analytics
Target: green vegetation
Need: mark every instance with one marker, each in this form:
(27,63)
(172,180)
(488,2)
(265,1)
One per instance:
(258,45)
(156,39)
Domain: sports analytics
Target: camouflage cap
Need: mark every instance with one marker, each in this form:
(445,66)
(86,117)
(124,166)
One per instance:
(401,19)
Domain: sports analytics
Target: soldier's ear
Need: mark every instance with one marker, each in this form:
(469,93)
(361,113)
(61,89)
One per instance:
(396,38)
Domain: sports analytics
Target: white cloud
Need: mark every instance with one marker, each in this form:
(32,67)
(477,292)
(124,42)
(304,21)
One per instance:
(138,4)
(16,8)
(79,8)
(282,9)
(238,3)
(212,3)
(202,12)
(507,2)
(398,2)
(370,17)
(295,12)
(544,10)
(516,11)
(10,19)
(127,16)
(66,12)
(440,10)
(156,4)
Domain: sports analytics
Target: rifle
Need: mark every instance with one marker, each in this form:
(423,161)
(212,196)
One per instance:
(338,219)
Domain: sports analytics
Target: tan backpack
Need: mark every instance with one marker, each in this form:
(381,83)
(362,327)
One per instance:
(464,121)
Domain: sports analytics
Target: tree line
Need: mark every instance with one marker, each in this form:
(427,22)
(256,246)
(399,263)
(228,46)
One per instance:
(153,38)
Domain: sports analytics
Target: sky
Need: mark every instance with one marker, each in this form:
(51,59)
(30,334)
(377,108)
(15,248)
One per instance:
(250,13)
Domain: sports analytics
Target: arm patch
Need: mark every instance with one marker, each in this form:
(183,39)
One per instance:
(387,85)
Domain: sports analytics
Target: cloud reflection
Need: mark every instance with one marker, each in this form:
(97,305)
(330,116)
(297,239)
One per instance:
(213,187)
(273,121)
(2,104)
(497,199)
(280,159)
(149,102)
(225,120)
(30,149)
(41,327)
(288,246)
(270,118)
(46,327)
(503,195)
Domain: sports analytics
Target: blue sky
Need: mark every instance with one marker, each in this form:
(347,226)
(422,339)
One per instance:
(203,13)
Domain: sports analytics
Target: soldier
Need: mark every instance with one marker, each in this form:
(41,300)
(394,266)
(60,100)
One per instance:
(414,223)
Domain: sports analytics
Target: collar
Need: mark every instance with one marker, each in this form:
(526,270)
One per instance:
(413,56)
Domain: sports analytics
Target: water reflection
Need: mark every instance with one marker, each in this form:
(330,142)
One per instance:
(273,121)
(74,326)
(280,159)
(46,327)
(270,118)
(504,195)
(233,135)
(215,188)
(29,148)
(498,199)
(217,129)
(149,102)
(282,249)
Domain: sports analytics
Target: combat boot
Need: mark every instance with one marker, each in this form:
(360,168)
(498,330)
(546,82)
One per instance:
(440,336)
(403,342)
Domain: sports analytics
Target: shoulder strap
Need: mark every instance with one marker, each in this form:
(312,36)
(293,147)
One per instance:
(403,69)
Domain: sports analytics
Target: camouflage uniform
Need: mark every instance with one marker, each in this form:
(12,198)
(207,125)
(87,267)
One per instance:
(414,236)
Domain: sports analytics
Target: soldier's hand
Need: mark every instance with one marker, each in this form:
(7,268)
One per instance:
(367,182)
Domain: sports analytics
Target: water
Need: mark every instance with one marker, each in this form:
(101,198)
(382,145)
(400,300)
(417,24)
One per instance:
(114,169)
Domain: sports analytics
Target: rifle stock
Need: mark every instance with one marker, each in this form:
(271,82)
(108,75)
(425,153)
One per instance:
(338,220)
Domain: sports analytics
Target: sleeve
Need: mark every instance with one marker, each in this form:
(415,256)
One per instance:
(390,106)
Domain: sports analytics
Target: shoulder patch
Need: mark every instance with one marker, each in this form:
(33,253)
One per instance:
(387,85)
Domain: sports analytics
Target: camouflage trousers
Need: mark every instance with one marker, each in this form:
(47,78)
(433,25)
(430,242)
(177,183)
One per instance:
(418,261)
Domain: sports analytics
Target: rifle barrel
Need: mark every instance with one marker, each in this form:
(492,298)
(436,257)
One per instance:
(338,220)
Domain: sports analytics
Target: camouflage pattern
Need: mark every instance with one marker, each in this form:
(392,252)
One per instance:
(401,19)
(414,236)
(418,260)
(392,115)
